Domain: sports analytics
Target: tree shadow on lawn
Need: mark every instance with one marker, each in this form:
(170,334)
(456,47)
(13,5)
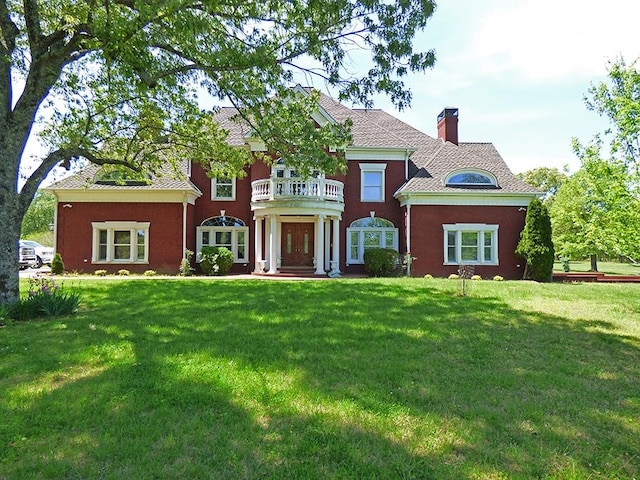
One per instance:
(326,380)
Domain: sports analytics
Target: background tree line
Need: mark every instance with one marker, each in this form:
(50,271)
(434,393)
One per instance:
(595,212)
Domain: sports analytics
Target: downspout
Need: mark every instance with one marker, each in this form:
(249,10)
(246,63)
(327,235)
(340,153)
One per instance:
(408,237)
(184,226)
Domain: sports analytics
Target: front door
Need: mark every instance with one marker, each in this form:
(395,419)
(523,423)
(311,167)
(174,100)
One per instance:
(297,245)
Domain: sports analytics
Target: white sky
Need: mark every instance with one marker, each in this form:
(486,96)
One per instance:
(518,71)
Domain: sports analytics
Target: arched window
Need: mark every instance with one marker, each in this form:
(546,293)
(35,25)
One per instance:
(369,232)
(223,221)
(117,175)
(224,231)
(471,179)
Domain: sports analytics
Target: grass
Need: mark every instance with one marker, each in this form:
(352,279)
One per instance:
(611,268)
(384,378)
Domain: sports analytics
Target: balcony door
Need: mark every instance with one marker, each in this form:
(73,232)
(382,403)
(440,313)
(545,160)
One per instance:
(297,244)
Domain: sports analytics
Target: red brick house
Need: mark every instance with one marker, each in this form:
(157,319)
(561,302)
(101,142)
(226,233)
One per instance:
(444,201)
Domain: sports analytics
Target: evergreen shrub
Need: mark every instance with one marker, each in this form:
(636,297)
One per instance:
(380,262)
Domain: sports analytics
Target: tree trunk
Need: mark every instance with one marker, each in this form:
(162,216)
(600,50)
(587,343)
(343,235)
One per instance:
(10,222)
(594,262)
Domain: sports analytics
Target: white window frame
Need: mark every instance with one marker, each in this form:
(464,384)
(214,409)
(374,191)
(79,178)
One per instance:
(372,168)
(361,231)
(493,182)
(214,188)
(480,229)
(111,227)
(234,240)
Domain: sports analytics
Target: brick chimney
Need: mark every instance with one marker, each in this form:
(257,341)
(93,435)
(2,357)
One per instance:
(448,125)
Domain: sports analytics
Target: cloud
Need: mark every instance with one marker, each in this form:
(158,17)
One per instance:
(553,39)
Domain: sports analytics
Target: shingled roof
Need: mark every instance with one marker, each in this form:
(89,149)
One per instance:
(431,159)
(167,179)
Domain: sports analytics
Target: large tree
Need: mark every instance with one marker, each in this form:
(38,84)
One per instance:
(597,211)
(618,99)
(545,179)
(118,81)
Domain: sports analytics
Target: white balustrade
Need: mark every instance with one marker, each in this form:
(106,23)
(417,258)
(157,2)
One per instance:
(282,188)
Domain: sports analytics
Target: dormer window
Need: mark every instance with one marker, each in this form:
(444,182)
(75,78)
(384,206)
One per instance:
(471,179)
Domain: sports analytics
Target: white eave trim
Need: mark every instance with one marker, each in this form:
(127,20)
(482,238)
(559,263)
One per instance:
(466,199)
(378,153)
(125,195)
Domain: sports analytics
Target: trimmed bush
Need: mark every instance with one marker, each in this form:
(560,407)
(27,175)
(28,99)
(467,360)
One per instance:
(57,265)
(150,273)
(380,262)
(100,273)
(124,272)
(216,260)
(498,278)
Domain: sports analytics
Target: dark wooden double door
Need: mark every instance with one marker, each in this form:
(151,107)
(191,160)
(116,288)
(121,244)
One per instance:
(297,244)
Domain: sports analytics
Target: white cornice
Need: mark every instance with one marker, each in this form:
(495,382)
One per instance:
(124,195)
(466,199)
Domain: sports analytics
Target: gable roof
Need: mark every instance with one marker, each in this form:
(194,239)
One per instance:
(431,160)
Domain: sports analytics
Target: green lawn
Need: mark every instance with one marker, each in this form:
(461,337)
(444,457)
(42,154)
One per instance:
(354,379)
(611,268)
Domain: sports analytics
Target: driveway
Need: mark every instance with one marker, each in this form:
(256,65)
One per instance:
(32,272)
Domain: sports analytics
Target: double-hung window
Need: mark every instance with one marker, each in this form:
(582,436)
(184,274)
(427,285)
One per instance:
(223,188)
(120,242)
(471,244)
(368,233)
(372,182)
(225,231)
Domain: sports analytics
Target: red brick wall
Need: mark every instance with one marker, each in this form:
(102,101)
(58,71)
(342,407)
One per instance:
(427,238)
(75,234)
(355,208)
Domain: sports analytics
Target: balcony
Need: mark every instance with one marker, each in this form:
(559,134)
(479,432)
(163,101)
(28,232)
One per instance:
(295,188)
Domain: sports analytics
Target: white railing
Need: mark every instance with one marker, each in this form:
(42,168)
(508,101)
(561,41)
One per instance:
(282,188)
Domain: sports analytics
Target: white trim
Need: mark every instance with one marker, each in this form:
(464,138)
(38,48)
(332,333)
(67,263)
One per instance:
(489,198)
(479,171)
(373,168)
(378,153)
(214,190)
(234,240)
(111,227)
(125,195)
(361,231)
(480,229)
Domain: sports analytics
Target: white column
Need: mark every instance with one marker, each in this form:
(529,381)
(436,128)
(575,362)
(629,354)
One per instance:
(320,245)
(327,243)
(273,261)
(258,260)
(335,261)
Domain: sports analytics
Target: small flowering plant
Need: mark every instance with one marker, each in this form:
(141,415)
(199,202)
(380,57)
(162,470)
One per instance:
(45,298)
(42,286)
